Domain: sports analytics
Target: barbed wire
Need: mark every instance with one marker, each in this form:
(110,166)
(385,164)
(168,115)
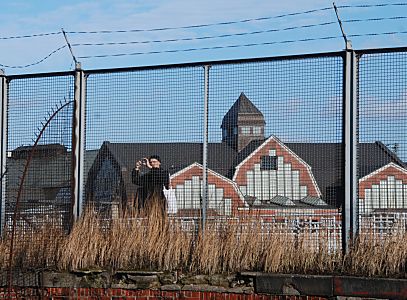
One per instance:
(209,24)
(205,48)
(215,36)
(372,5)
(239,21)
(34,63)
(240,45)
(237,34)
(375,19)
(377,34)
(171,28)
(205,37)
(202,25)
(29,36)
(210,48)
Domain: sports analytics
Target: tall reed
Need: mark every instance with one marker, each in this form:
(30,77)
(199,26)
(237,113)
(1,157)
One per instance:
(156,242)
(373,256)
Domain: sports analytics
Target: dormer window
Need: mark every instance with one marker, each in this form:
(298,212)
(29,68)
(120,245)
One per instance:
(268,163)
(245,130)
(257,130)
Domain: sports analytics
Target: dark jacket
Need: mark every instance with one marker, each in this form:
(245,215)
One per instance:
(150,184)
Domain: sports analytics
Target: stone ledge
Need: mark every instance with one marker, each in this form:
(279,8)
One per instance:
(141,273)
(294,285)
(59,280)
(171,287)
(204,288)
(370,287)
(331,286)
(241,283)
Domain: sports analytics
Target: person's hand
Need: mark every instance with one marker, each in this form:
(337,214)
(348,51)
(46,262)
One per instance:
(147,163)
(138,165)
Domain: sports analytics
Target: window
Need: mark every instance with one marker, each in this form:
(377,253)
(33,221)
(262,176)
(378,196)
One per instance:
(234,130)
(268,163)
(225,133)
(257,130)
(245,130)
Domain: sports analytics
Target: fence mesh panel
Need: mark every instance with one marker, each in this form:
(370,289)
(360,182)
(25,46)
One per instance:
(46,195)
(275,147)
(382,104)
(135,115)
(38,107)
(276,144)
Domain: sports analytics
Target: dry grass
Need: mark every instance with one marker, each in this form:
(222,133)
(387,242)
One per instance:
(385,256)
(34,249)
(155,242)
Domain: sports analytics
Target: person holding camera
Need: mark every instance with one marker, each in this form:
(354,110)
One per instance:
(151,183)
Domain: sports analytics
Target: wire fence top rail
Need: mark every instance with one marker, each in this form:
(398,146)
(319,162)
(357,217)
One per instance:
(211,63)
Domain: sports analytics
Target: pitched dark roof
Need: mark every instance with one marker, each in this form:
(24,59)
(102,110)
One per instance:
(373,158)
(325,159)
(326,162)
(242,106)
(49,173)
(174,156)
(41,150)
(43,172)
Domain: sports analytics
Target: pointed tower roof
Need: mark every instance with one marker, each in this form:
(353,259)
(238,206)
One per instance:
(242,106)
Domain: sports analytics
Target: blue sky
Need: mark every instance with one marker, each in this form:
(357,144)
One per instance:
(302,105)
(33,17)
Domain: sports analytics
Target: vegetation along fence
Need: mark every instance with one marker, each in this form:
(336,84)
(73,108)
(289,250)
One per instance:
(311,145)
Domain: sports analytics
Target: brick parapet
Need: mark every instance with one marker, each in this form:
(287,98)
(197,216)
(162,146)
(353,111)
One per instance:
(108,294)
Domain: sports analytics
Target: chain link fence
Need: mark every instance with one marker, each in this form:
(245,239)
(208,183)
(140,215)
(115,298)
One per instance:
(281,122)
(150,112)
(261,139)
(38,178)
(36,167)
(382,173)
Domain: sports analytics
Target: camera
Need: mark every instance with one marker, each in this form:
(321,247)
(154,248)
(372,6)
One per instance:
(143,161)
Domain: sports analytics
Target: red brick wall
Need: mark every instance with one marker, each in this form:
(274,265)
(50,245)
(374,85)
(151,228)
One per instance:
(382,175)
(229,191)
(305,175)
(102,294)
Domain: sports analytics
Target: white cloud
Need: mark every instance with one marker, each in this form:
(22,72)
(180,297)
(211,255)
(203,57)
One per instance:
(384,108)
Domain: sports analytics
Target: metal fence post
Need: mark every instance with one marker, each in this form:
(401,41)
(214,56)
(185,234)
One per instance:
(205,148)
(78,142)
(3,148)
(349,212)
